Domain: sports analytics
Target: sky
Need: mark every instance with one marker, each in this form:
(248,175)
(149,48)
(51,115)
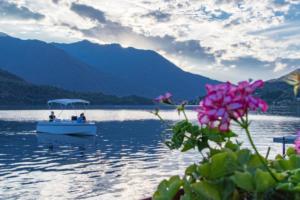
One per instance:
(223,39)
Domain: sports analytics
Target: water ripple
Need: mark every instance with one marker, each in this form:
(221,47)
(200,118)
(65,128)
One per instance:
(126,160)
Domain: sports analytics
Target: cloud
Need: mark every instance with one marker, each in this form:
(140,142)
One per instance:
(279,66)
(108,31)
(89,12)
(158,15)
(55,1)
(13,11)
(243,38)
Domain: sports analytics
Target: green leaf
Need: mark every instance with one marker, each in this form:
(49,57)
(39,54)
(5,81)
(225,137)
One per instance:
(213,134)
(222,164)
(202,144)
(187,196)
(232,146)
(226,188)
(285,164)
(295,177)
(188,144)
(192,173)
(254,162)
(167,189)
(194,130)
(292,163)
(296,188)
(290,151)
(278,157)
(206,191)
(263,181)
(293,182)
(243,156)
(188,191)
(244,180)
(191,169)
(214,152)
(204,170)
(229,134)
(284,186)
(295,161)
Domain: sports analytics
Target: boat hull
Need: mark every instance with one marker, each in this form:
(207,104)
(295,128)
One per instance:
(67,128)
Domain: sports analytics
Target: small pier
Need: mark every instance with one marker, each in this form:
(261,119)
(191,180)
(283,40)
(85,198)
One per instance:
(289,139)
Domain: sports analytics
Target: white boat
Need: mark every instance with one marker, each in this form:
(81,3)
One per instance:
(67,127)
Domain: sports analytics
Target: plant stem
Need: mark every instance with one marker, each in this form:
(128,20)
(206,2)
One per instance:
(158,115)
(185,116)
(161,119)
(257,153)
(268,152)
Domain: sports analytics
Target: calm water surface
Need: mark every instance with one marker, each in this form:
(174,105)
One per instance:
(126,160)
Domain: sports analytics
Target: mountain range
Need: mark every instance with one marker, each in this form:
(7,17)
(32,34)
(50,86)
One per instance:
(14,91)
(89,67)
(85,69)
(277,91)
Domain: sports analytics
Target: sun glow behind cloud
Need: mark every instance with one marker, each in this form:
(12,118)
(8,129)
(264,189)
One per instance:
(259,38)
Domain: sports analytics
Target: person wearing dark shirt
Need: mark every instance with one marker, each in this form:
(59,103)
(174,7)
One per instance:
(52,117)
(82,118)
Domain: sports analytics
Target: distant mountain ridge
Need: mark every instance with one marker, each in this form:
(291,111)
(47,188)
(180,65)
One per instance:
(284,77)
(14,91)
(277,90)
(44,64)
(88,67)
(144,68)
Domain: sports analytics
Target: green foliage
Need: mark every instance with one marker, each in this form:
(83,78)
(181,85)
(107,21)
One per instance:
(263,181)
(222,164)
(206,190)
(167,189)
(244,180)
(187,136)
(228,171)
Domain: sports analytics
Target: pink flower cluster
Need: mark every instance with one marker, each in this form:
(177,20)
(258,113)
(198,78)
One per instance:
(297,143)
(297,146)
(227,101)
(166,98)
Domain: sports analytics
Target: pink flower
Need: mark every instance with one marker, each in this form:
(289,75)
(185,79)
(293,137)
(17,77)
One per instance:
(227,101)
(246,90)
(166,98)
(297,145)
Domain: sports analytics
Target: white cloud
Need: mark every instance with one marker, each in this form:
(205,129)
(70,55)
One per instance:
(199,35)
(279,66)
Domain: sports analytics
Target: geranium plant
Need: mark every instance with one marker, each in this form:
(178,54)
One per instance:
(227,170)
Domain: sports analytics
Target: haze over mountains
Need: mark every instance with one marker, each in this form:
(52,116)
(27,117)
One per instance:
(89,67)
(141,68)
(14,91)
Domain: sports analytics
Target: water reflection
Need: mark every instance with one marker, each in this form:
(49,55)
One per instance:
(65,140)
(126,160)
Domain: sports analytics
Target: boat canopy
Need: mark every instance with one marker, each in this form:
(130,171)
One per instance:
(68,101)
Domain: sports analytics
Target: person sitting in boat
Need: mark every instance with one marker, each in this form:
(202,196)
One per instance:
(81,118)
(52,117)
(74,118)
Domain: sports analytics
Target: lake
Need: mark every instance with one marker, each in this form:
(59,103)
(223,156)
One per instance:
(126,160)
